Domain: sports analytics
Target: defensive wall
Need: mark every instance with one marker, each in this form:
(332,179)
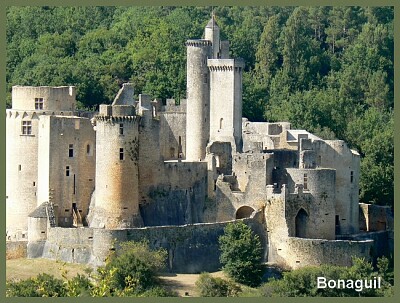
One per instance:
(191,248)
(300,252)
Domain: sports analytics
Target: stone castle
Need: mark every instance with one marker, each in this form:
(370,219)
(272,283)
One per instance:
(175,174)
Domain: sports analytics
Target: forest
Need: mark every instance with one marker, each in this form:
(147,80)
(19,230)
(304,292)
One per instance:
(325,69)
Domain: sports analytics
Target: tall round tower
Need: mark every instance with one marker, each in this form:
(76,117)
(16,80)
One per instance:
(117,155)
(198,99)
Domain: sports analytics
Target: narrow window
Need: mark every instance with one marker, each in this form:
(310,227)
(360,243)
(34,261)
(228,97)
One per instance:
(34,183)
(67,171)
(305,181)
(71,150)
(74,185)
(19,167)
(39,103)
(121,154)
(220,123)
(180,147)
(88,149)
(121,128)
(351,177)
(26,127)
(337,224)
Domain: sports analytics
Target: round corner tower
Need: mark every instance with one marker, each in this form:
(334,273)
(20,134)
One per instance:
(117,155)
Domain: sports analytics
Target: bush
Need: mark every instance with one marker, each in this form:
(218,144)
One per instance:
(135,266)
(303,282)
(241,254)
(43,285)
(131,272)
(208,286)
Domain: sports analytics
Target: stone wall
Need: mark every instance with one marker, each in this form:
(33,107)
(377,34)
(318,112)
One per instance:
(375,217)
(383,242)
(191,248)
(179,196)
(299,252)
(172,135)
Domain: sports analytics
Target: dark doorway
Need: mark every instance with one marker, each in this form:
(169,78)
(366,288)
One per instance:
(301,224)
(244,212)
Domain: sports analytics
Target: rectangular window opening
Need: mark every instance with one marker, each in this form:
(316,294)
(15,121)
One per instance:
(121,154)
(121,128)
(67,171)
(305,181)
(39,103)
(19,167)
(351,177)
(26,127)
(71,151)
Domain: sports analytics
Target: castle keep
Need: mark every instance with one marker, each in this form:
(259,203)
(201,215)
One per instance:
(175,174)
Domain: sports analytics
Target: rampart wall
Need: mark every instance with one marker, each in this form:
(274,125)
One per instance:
(191,248)
(299,252)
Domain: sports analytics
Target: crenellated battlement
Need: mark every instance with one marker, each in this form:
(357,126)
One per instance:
(116,119)
(198,43)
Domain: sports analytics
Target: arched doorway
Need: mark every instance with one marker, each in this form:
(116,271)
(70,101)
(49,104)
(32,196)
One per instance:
(244,212)
(301,224)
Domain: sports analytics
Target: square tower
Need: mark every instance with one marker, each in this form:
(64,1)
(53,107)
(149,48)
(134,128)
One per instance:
(226,101)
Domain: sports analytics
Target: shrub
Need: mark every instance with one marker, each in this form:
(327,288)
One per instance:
(43,285)
(135,266)
(241,254)
(209,286)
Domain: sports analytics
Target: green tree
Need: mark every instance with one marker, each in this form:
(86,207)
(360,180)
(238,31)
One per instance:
(241,254)
(136,266)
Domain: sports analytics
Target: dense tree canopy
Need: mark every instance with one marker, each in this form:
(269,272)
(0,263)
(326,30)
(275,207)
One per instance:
(325,69)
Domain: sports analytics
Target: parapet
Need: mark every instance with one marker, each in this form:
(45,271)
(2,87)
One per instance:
(225,64)
(116,110)
(40,98)
(172,106)
(198,42)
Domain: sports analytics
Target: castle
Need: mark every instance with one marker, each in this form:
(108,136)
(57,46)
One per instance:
(174,174)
